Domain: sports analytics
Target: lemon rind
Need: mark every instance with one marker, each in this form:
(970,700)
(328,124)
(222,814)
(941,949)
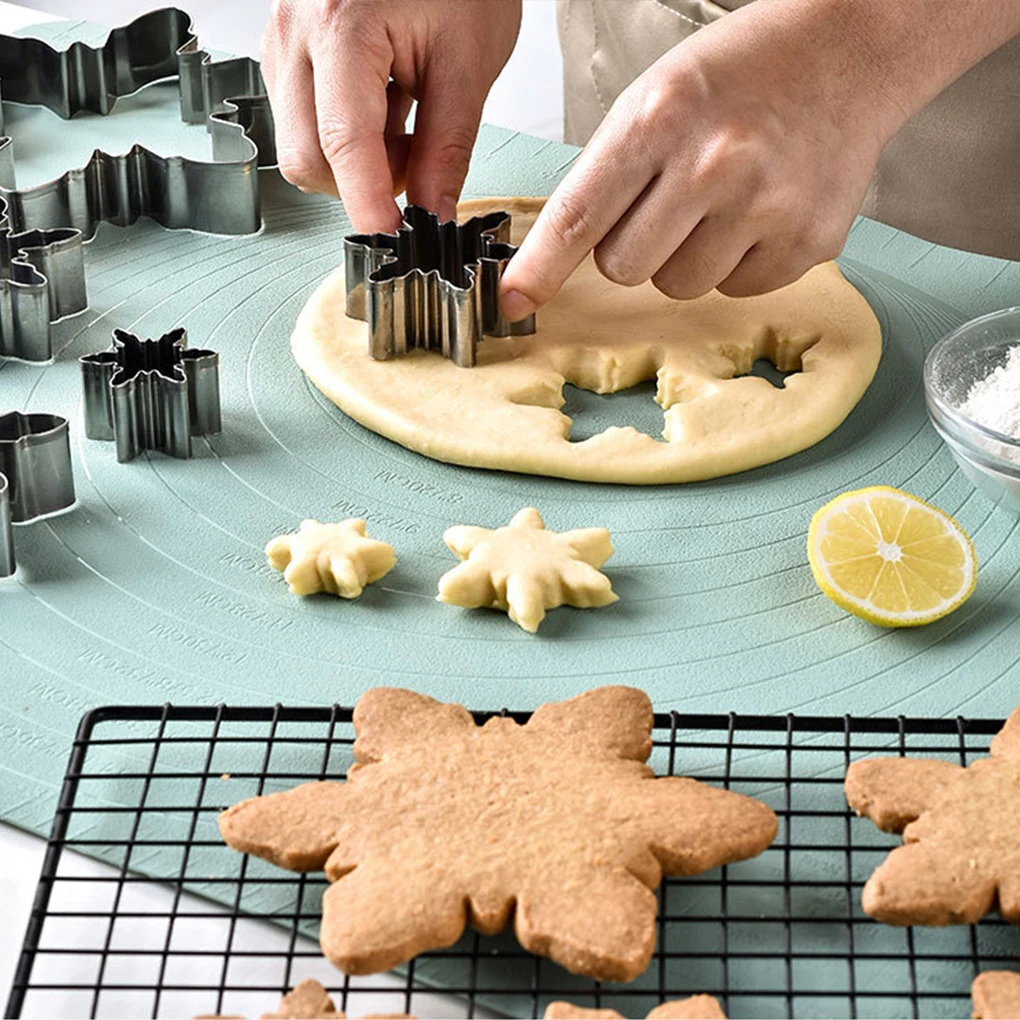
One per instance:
(863,608)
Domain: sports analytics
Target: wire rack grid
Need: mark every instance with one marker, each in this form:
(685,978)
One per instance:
(782,935)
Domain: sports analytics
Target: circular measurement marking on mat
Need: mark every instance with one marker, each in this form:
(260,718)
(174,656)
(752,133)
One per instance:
(156,585)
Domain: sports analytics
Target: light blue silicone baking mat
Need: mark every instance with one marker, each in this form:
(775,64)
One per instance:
(155,588)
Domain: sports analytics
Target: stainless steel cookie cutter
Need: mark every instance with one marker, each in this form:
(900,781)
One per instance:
(218,197)
(44,226)
(431,286)
(151,394)
(36,477)
(42,279)
(8,564)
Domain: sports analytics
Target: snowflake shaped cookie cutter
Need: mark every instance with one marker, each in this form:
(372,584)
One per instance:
(431,286)
(36,477)
(525,569)
(151,394)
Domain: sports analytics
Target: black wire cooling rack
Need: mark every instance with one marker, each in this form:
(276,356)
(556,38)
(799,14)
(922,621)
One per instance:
(782,935)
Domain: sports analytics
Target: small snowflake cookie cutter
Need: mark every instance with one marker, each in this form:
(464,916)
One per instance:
(36,477)
(431,286)
(151,394)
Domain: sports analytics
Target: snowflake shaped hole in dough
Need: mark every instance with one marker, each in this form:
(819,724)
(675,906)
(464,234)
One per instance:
(961,834)
(336,558)
(556,826)
(525,569)
(717,417)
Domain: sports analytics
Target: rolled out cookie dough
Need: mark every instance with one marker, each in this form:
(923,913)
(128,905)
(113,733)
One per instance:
(504,413)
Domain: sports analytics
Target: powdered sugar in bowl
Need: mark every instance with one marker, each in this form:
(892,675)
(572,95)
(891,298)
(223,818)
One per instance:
(972,387)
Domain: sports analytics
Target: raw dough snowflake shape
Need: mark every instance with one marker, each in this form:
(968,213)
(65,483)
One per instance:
(526,569)
(336,558)
(961,834)
(442,823)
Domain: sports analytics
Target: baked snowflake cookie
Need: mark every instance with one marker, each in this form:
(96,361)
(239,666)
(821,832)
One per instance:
(525,569)
(336,558)
(961,834)
(996,995)
(308,1001)
(697,1007)
(556,825)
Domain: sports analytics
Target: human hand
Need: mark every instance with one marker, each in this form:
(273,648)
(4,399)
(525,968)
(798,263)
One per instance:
(737,161)
(341,76)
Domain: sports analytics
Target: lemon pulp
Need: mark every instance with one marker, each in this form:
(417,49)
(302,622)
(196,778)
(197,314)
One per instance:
(890,558)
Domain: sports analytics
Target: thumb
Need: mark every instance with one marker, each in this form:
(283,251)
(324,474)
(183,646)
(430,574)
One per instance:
(445,128)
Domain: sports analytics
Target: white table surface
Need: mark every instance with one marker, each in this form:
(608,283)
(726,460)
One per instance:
(526,97)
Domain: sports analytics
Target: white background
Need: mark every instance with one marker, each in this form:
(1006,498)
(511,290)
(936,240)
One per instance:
(527,97)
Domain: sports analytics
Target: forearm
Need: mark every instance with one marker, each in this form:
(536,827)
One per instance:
(740,158)
(916,48)
(867,65)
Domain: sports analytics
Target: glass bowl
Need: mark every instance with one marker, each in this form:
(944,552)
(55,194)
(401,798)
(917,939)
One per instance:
(989,459)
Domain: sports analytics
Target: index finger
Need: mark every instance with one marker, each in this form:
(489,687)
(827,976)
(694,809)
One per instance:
(598,189)
(351,112)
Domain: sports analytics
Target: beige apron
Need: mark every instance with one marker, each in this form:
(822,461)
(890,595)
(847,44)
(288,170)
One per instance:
(951,175)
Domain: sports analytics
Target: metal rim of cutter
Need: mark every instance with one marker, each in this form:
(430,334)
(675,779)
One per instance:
(431,285)
(8,563)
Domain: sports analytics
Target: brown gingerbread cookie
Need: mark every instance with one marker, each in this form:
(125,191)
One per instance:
(697,1007)
(557,824)
(961,834)
(996,995)
(308,1001)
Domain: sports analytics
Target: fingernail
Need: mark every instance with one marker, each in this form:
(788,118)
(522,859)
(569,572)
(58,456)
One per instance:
(514,305)
(447,208)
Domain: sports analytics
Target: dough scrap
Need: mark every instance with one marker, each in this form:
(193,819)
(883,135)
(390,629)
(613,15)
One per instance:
(336,558)
(525,569)
(555,825)
(504,413)
(961,834)
(996,995)
(697,1007)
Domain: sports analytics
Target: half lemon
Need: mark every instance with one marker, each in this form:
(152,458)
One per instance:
(890,558)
